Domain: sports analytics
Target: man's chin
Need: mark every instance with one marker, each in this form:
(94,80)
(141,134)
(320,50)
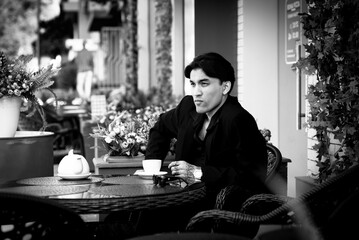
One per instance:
(200,110)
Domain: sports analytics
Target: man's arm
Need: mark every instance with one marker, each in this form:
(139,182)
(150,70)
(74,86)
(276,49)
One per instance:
(160,136)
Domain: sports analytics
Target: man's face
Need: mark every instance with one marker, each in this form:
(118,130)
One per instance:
(208,93)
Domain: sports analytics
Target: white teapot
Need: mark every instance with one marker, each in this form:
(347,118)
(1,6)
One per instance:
(73,164)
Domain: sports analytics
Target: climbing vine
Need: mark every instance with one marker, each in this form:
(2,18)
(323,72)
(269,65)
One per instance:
(332,30)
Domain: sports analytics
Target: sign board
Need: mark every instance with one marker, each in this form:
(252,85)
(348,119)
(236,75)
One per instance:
(292,30)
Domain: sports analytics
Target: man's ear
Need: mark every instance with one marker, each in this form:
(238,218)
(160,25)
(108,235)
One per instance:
(226,87)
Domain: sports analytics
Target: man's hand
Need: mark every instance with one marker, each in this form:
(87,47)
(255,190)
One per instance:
(184,170)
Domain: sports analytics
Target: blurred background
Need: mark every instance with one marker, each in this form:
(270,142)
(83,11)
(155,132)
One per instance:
(140,48)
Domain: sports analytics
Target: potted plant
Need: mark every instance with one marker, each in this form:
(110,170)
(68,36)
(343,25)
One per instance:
(18,85)
(332,56)
(125,133)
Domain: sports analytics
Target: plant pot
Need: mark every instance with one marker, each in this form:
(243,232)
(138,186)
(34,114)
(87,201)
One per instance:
(124,159)
(122,165)
(27,154)
(9,112)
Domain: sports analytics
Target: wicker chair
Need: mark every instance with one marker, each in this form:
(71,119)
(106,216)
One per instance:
(30,217)
(316,210)
(274,163)
(66,138)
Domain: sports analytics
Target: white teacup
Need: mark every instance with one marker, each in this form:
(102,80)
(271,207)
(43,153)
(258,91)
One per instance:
(152,165)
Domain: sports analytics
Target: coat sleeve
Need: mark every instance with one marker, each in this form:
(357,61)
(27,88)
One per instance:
(163,132)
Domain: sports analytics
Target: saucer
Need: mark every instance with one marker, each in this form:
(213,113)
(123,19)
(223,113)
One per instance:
(74,176)
(146,175)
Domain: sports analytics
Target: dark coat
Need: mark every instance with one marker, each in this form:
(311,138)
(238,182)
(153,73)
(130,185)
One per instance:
(235,150)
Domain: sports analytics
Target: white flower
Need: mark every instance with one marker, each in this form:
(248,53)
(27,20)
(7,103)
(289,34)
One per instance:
(108,139)
(130,141)
(112,134)
(124,144)
(131,135)
(140,139)
(117,129)
(122,129)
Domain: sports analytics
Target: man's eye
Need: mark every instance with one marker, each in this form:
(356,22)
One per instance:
(192,84)
(203,84)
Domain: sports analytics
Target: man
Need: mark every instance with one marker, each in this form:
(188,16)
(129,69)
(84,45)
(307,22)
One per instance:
(84,62)
(218,141)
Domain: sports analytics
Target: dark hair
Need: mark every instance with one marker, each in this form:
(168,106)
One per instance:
(213,65)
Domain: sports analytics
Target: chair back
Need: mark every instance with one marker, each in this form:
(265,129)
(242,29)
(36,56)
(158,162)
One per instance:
(98,106)
(29,217)
(274,161)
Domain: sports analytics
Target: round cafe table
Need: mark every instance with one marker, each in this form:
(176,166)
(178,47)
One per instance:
(103,194)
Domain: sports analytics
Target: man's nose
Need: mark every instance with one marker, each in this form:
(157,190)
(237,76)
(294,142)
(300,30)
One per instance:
(197,90)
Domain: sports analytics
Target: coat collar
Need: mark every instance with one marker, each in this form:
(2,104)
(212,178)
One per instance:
(198,118)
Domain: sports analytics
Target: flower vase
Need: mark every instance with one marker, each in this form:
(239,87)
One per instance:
(10,113)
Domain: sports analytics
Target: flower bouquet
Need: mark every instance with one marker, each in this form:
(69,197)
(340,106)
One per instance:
(17,81)
(126,133)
